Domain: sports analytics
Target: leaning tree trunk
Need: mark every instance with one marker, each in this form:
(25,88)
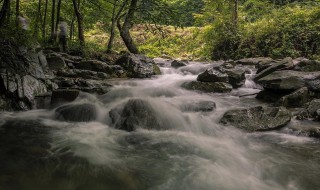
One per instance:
(4,12)
(79,19)
(127,25)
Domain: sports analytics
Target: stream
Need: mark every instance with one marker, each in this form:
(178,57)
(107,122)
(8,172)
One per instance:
(38,151)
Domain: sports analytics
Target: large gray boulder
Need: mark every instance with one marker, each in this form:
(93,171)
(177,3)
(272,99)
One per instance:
(257,118)
(136,113)
(56,62)
(137,66)
(220,87)
(76,113)
(284,64)
(84,74)
(236,76)
(213,75)
(288,80)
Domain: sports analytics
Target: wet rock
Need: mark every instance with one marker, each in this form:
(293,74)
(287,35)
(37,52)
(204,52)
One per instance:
(255,61)
(219,87)
(177,64)
(271,96)
(306,130)
(56,62)
(63,96)
(307,66)
(311,111)
(291,80)
(91,65)
(296,99)
(236,76)
(31,88)
(137,66)
(135,114)
(76,113)
(257,118)
(213,75)
(201,106)
(284,64)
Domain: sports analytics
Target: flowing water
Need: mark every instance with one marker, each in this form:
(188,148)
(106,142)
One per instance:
(40,152)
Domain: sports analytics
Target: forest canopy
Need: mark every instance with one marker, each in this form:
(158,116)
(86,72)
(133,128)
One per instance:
(193,29)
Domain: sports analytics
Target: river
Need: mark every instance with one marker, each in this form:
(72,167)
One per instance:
(197,153)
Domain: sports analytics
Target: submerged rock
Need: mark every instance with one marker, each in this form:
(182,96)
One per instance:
(135,114)
(76,113)
(137,66)
(305,130)
(219,87)
(257,118)
(201,106)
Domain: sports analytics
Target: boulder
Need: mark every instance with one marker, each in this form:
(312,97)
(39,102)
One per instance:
(56,62)
(84,74)
(201,106)
(288,80)
(213,75)
(284,64)
(219,87)
(307,66)
(311,111)
(76,113)
(177,63)
(236,76)
(254,61)
(92,65)
(271,96)
(257,118)
(135,114)
(296,99)
(137,66)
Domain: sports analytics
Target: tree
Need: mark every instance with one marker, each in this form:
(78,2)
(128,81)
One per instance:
(4,12)
(79,20)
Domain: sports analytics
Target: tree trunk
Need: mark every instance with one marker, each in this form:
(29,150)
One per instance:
(44,21)
(57,18)
(112,30)
(235,14)
(38,20)
(127,25)
(4,12)
(52,20)
(79,19)
(17,12)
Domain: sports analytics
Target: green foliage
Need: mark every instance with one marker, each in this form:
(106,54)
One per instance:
(291,30)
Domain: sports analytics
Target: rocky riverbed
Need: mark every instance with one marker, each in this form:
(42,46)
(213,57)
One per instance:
(74,123)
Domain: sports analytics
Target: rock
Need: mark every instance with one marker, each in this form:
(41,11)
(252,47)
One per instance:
(306,130)
(91,65)
(257,118)
(307,66)
(254,61)
(137,66)
(201,106)
(312,111)
(76,113)
(31,88)
(213,75)
(271,96)
(135,114)
(177,64)
(284,64)
(296,99)
(56,62)
(291,80)
(219,87)
(156,69)
(236,76)
(63,96)
(85,74)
